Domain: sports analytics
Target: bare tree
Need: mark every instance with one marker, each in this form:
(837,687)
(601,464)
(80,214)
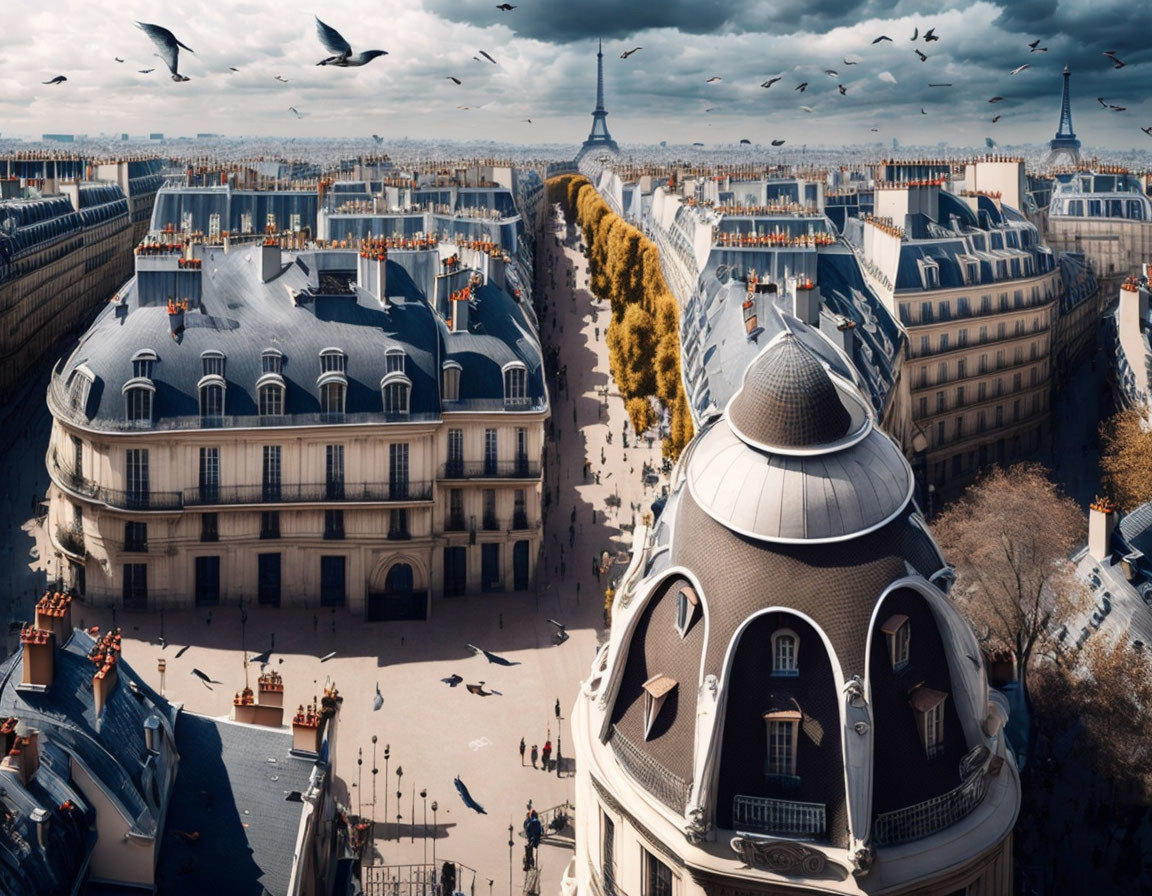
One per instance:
(1126,459)
(1010,537)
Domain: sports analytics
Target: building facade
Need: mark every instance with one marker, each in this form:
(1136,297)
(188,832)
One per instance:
(357,428)
(788,701)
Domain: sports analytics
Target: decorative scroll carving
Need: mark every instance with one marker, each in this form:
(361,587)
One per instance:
(854,690)
(862,860)
(785,857)
(697,827)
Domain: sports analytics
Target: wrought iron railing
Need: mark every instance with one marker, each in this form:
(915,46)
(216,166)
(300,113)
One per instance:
(667,787)
(930,816)
(310,492)
(480,469)
(772,816)
(418,880)
(136,499)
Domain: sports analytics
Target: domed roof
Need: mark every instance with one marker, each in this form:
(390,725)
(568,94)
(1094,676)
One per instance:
(788,400)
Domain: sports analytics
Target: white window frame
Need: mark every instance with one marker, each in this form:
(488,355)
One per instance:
(782,729)
(450,373)
(147,358)
(211,381)
(898,633)
(275,383)
(515,377)
(656,691)
(785,670)
(272,361)
(333,360)
(928,706)
(394,360)
(328,381)
(399,384)
(130,390)
(687,602)
(79,388)
(210,367)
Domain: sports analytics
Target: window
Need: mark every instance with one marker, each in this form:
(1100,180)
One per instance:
(940,402)
(962,338)
(521,451)
(207,581)
(332,392)
(213,363)
(332,360)
(394,360)
(942,372)
(515,384)
(78,390)
(490,453)
(657,876)
(334,472)
(135,536)
(943,342)
(136,476)
(455,510)
(398,471)
(270,473)
(926,313)
(209,475)
(519,511)
(923,407)
(398,523)
(961,368)
(271,400)
(209,528)
(142,363)
(272,361)
(455,466)
(332,590)
(138,401)
(925,345)
(270,524)
(959,396)
(135,586)
(212,397)
(268,579)
(607,855)
(450,381)
(333,524)
(656,691)
(928,706)
(785,648)
(396,389)
(687,601)
(781,760)
(491,524)
(78,453)
(898,633)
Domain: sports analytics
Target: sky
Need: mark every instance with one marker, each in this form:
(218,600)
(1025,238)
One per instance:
(545,70)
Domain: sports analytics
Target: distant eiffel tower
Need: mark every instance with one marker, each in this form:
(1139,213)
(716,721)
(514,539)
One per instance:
(599,138)
(1064,144)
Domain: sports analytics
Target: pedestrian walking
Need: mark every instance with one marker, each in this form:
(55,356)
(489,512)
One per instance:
(535,755)
(557,708)
(546,755)
(522,748)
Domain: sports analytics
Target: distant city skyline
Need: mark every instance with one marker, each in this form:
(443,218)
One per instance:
(697,77)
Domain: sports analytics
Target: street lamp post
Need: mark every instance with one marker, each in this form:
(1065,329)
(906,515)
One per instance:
(360,781)
(424,837)
(412,823)
(374,771)
(511,843)
(399,794)
(387,753)
(434,834)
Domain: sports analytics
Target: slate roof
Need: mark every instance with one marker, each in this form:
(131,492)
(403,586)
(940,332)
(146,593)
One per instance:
(231,790)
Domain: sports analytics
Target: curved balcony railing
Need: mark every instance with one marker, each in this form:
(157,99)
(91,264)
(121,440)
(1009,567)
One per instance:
(137,499)
(772,816)
(926,818)
(670,789)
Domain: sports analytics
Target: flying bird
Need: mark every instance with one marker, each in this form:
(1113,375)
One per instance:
(205,679)
(1147,130)
(1019,69)
(1035,43)
(117,58)
(745,140)
(491,657)
(59,79)
(281,79)
(183,650)
(489,58)
(996,99)
(805,108)
(874,130)
(711,109)
(852,59)
(922,56)
(378,700)
(261,658)
(168,46)
(478,690)
(713,79)
(922,112)
(460,788)
(996,119)
(452,680)
(507,7)
(145,71)
(777,142)
(771,81)
(930,35)
(882,37)
(887,77)
(1117,108)
(802,86)
(1038,49)
(340,49)
(831,73)
(452,79)
(1100,100)
(949,84)
(296,111)
(628,53)
(233,68)
(843,90)
(529,120)
(1111,54)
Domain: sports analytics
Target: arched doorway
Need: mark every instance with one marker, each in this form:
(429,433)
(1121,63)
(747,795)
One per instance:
(520,566)
(399,598)
(399,579)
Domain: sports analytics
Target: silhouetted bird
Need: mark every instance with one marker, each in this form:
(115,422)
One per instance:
(843,90)
(745,140)
(915,32)
(995,119)
(1111,54)
(881,37)
(1147,130)
(168,46)
(921,55)
(771,81)
(341,50)
(507,7)
(59,79)
(378,701)
(996,99)
(452,79)
(930,35)
(452,680)
(628,53)
(489,58)
(802,86)
(117,58)
(777,142)
(1019,69)
(491,657)
(467,797)
(145,71)
(713,79)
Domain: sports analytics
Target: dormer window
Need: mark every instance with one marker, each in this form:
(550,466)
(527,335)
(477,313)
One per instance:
(782,729)
(450,381)
(213,363)
(687,601)
(395,391)
(138,394)
(333,360)
(515,384)
(142,363)
(898,633)
(333,389)
(394,360)
(270,389)
(785,653)
(212,395)
(929,273)
(78,389)
(272,361)
(928,706)
(656,691)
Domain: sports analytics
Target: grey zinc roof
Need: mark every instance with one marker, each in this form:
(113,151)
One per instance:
(232,791)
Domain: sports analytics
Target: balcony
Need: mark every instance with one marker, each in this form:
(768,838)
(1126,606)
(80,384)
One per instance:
(311,493)
(71,539)
(926,818)
(789,818)
(491,524)
(456,523)
(479,469)
(670,789)
(136,499)
(520,520)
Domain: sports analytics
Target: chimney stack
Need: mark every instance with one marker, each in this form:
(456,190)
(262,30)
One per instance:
(460,301)
(105,654)
(306,731)
(39,658)
(1101,525)
(23,756)
(54,614)
(269,259)
(41,818)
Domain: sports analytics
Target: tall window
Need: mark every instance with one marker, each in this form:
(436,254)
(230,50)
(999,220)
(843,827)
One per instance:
(515,384)
(450,381)
(271,400)
(398,471)
(898,633)
(142,363)
(396,390)
(519,511)
(781,742)
(209,527)
(657,876)
(521,451)
(138,402)
(394,360)
(78,390)
(334,472)
(213,363)
(455,509)
(785,647)
(332,396)
(136,476)
(333,524)
(490,521)
(455,465)
(209,475)
(78,452)
(135,536)
(332,581)
(270,524)
(212,397)
(491,459)
(928,707)
(332,360)
(398,523)
(607,854)
(270,473)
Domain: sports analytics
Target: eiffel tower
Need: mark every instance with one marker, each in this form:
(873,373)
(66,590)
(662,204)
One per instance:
(1064,144)
(599,138)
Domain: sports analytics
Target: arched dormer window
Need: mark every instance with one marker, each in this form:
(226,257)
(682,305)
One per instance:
(138,394)
(270,391)
(656,691)
(687,604)
(272,361)
(212,396)
(785,652)
(515,384)
(333,360)
(213,363)
(394,360)
(333,391)
(142,363)
(450,381)
(396,391)
(898,633)
(78,388)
